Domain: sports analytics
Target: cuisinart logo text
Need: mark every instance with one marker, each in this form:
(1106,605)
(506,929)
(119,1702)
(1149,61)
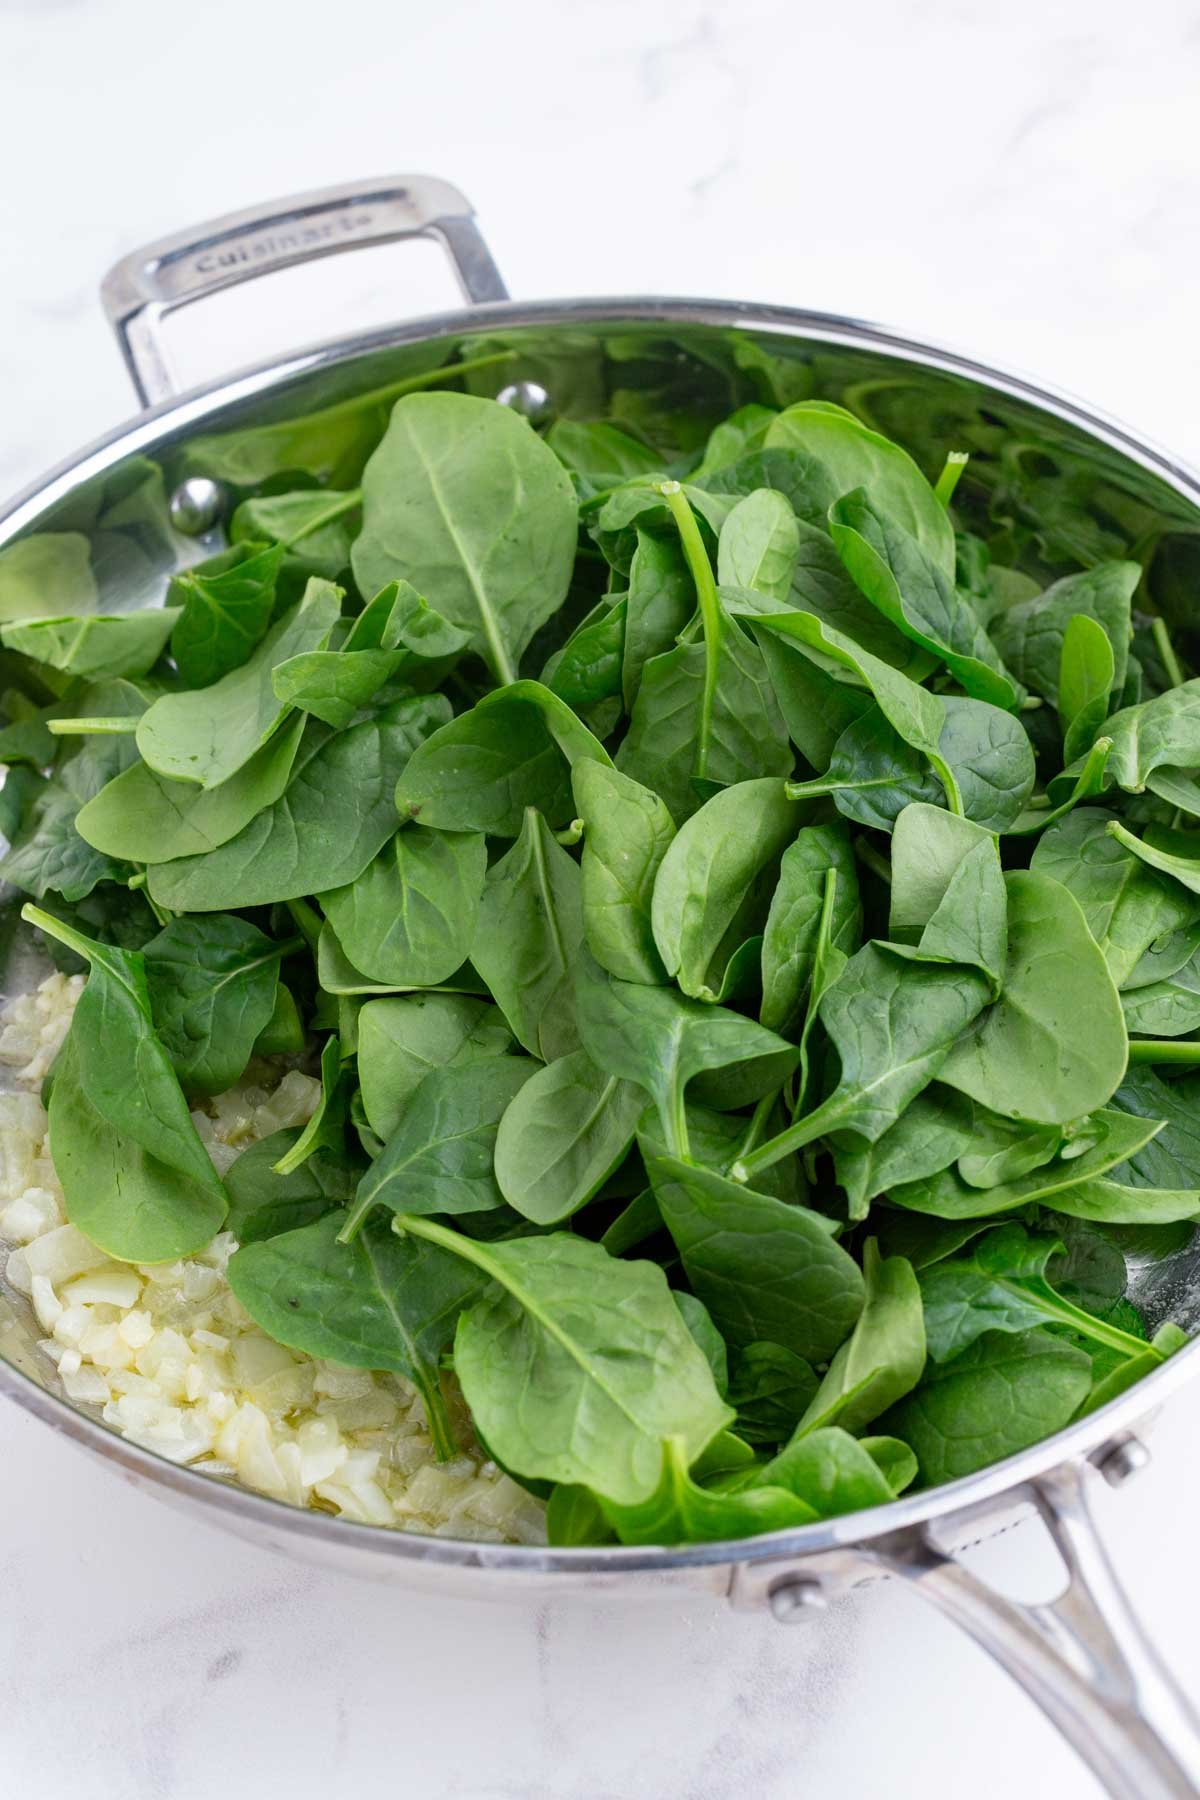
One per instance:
(282,243)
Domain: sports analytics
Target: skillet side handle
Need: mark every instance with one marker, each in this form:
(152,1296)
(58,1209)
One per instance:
(140,290)
(1083,1657)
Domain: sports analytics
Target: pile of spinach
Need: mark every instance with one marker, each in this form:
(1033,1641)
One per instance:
(749,934)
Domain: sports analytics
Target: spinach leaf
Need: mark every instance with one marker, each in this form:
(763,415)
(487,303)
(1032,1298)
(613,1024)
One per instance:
(917,595)
(439,1159)
(205,735)
(1029,636)
(142,817)
(999,1396)
(698,1320)
(835,1474)
(334,817)
(464,500)
(575,1364)
(313,529)
(1000,1284)
(764,1269)
(930,1134)
(401,1040)
(381,1302)
(1085,682)
(662,1040)
(1053,1046)
(212,983)
(136,1177)
(264,1204)
(704,877)
(409,918)
(527,937)
(224,608)
(660,601)
(94,644)
(1115,1136)
(484,770)
(793,922)
(627,832)
(884,1356)
(759,545)
(681,1511)
(562,1135)
(770,1388)
(850,455)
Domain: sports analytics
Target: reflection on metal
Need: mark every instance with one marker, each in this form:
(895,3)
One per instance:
(196,505)
(527,398)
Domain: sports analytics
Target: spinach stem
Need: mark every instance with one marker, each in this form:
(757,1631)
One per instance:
(92,727)
(710,608)
(758,1119)
(1163,1050)
(1164,646)
(949,781)
(307,921)
(951,475)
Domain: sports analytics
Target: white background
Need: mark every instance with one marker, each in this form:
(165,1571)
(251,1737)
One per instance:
(1022,180)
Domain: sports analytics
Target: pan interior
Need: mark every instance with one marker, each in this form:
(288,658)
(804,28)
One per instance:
(1067,490)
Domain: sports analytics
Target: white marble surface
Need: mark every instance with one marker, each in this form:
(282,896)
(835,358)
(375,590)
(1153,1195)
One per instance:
(1022,181)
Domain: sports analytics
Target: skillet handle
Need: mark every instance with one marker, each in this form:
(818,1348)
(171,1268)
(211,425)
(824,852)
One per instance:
(1083,1657)
(140,290)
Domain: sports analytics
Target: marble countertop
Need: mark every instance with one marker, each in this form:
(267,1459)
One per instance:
(1024,183)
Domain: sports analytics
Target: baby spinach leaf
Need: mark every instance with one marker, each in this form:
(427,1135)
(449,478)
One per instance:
(598,455)
(463,500)
(1085,682)
(770,1387)
(381,1302)
(970,922)
(627,831)
(759,544)
(793,922)
(401,1040)
(852,456)
(944,1192)
(662,1040)
(1029,636)
(1160,733)
(816,707)
(706,872)
(94,644)
(212,983)
(224,607)
(118,1096)
(884,1356)
(764,1269)
(681,1511)
(1000,1284)
(409,918)
(930,1134)
(894,1020)
(325,1130)
(917,595)
(334,685)
(587,669)
(439,1159)
(527,937)
(206,735)
(1127,905)
(833,1473)
(1053,1046)
(335,815)
(1167,1008)
(41,574)
(999,1396)
(660,601)
(575,1364)
(263,1204)
(485,769)
(313,529)
(562,1135)
(1170,852)
(928,846)
(142,817)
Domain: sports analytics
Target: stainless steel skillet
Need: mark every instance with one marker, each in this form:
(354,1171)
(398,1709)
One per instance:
(1097,489)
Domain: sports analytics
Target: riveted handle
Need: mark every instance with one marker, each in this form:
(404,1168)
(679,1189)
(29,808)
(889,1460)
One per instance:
(144,287)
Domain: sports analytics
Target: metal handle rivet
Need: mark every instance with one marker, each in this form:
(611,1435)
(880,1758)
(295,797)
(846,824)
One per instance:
(527,398)
(196,505)
(1122,1460)
(796,1598)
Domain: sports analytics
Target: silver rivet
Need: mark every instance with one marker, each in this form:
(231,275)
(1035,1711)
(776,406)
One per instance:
(795,1598)
(196,505)
(527,398)
(1122,1460)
